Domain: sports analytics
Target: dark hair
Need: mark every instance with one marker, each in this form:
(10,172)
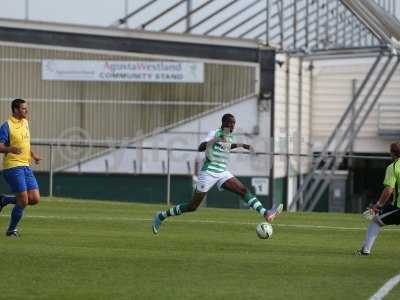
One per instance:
(395,149)
(16,104)
(225,117)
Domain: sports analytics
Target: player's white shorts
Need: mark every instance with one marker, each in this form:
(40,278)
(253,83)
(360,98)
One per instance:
(206,180)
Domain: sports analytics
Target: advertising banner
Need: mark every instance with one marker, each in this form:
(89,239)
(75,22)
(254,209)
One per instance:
(137,71)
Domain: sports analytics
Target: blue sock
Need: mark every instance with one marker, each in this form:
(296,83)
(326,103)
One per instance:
(9,199)
(16,215)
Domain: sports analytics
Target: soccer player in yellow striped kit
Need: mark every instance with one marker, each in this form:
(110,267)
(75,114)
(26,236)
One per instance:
(16,146)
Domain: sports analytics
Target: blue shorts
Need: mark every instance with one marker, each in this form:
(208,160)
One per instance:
(20,179)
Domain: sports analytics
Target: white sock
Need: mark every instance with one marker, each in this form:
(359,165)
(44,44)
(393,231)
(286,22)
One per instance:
(372,233)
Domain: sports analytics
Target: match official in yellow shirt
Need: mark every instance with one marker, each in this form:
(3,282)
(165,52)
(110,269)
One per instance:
(16,145)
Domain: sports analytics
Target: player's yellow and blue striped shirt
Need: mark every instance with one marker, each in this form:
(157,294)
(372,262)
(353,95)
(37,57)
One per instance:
(392,179)
(15,133)
(217,156)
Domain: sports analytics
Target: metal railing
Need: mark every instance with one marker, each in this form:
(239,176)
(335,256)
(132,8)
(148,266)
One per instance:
(53,147)
(56,146)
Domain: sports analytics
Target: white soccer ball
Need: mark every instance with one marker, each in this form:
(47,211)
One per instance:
(264,230)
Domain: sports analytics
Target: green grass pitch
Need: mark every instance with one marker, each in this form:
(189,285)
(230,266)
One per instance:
(71,249)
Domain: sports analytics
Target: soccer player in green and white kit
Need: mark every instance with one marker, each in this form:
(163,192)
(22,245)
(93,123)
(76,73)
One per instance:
(217,146)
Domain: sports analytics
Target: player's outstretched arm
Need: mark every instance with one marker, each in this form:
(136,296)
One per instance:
(202,147)
(244,146)
(207,144)
(385,196)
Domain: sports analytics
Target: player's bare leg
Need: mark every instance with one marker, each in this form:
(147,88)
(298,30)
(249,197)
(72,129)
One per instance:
(33,197)
(197,199)
(177,210)
(234,185)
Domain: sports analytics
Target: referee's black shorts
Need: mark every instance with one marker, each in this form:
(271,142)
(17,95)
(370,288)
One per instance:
(389,215)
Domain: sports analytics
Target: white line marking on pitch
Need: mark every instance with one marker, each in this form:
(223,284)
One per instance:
(386,288)
(204,221)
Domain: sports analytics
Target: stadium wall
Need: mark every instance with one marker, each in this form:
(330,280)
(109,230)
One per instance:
(334,83)
(188,136)
(332,93)
(310,98)
(150,188)
(292,113)
(145,164)
(108,111)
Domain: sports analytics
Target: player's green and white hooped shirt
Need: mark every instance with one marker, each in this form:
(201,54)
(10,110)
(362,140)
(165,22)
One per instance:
(217,156)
